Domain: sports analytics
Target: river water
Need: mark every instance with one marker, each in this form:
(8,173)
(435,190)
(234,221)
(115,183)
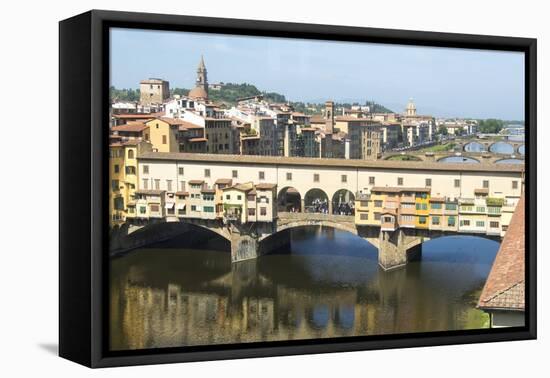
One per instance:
(328,285)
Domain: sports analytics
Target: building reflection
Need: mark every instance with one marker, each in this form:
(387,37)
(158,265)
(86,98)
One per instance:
(172,298)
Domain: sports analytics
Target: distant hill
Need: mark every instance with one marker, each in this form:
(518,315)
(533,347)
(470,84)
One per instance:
(231,92)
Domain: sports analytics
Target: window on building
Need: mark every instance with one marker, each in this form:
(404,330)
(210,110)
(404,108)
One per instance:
(457,183)
(118,203)
(435,221)
(130,154)
(252,212)
(239,197)
(428,182)
(155,208)
(169,185)
(465,222)
(344,178)
(130,170)
(485,184)
(208,209)
(378,203)
(117,168)
(227,197)
(493,224)
(251,197)
(480,209)
(157,184)
(400,181)
(142,209)
(371,180)
(315,177)
(193,207)
(376,216)
(436,206)
(164,139)
(263,211)
(261,175)
(146,169)
(421,220)
(180,171)
(480,224)
(289,176)
(182,186)
(235,173)
(145,184)
(207,172)
(514,184)
(364,216)
(450,206)
(451,221)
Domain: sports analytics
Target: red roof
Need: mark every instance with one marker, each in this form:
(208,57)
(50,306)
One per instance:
(505,286)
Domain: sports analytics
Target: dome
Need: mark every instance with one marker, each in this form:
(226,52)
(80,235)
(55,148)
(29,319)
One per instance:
(410,105)
(198,92)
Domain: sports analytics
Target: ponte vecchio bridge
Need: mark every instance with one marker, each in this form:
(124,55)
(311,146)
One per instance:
(311,192)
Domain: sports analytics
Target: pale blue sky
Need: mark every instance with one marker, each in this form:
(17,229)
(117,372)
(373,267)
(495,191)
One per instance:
(443,81)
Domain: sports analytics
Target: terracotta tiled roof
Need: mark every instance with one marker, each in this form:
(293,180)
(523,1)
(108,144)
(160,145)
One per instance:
(505,286)
(130,126)
(196,182)
(482,191)
(135,116)
(224,181)
(265,186)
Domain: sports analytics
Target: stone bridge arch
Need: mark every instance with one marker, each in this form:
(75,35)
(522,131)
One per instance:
(432,235)
(131,236)
(511,149)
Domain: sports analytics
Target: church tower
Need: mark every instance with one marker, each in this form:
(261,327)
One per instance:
(201,87)
(202,80)
(411,108)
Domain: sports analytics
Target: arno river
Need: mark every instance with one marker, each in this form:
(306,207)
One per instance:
(328,285)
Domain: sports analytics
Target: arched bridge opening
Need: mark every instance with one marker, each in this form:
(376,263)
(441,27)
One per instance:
(179,234)
(343,202)
(289,200)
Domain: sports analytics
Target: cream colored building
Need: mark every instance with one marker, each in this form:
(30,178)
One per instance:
(153,91)
(332,175)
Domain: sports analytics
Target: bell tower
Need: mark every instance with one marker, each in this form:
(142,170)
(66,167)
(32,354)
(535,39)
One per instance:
(202,79)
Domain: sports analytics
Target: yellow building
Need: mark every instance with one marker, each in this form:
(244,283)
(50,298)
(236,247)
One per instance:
(422,203)
(123,174)
(163,134)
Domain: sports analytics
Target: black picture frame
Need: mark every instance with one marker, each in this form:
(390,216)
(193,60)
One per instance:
(83,182)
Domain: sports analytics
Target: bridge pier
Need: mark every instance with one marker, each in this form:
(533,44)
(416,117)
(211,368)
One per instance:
(393,252)
(243,247)
(247,246)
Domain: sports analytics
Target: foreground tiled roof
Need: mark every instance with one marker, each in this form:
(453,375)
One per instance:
(505,286)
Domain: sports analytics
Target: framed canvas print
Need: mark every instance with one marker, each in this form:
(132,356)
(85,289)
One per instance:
(236,188)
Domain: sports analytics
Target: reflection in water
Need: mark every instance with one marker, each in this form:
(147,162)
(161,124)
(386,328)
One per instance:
(329,286)
(458,159)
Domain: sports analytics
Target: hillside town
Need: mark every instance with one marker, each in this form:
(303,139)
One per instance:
(255,126)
